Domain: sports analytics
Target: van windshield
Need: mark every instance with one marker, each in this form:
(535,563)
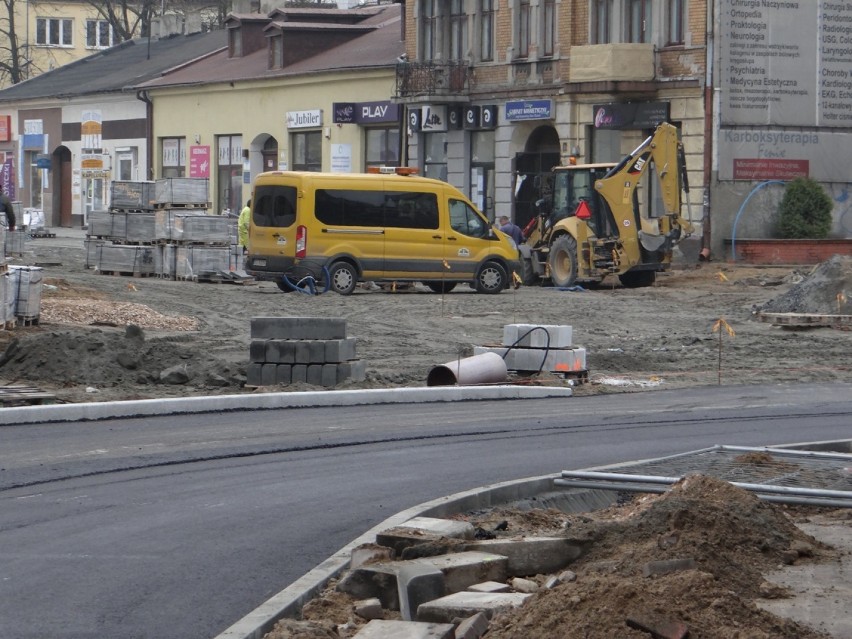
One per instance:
(274,206)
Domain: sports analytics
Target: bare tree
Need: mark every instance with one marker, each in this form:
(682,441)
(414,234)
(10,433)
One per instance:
(13,61)
(127,19)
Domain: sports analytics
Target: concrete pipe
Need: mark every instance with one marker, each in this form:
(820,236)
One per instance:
(486,368)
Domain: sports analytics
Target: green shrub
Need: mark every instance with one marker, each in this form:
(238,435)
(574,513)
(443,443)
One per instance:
(805,211)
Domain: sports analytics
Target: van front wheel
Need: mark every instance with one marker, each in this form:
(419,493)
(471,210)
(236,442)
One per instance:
(491,278)
(342,278)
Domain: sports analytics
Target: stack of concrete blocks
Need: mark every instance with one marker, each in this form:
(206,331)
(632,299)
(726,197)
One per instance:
(15,243)
(132,259)
(188,191)
(530,348)
(22,295)
(197,244)
(312,350)
(140,228)
(195,261)
(132,195)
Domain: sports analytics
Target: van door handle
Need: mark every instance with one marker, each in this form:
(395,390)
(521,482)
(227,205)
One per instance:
(437,237)
(451,238)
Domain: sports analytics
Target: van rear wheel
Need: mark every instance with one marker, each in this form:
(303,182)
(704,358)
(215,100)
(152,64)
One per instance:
(342,278)
(441,287)
(491,279)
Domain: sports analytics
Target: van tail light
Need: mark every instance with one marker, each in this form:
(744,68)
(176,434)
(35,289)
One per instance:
(301,241)
(583,211)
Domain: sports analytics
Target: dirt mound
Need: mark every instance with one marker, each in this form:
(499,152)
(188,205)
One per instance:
(729,535)
(110,357)
(826,290)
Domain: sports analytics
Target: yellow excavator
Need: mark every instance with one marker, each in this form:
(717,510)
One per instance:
(623,219)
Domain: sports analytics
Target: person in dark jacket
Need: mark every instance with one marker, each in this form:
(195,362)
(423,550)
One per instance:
(6,205)
(512,230)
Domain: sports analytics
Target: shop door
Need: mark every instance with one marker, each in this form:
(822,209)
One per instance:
(64,187)
(93,199)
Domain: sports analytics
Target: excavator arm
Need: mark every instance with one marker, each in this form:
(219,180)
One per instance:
(654,230)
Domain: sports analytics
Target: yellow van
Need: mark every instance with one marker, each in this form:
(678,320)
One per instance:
(344,228)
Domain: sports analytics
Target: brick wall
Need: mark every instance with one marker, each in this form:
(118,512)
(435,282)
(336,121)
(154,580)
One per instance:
(773,251)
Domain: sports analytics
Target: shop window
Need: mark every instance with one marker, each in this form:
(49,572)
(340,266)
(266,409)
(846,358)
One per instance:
(307,151)
(382,146)
(173,157)
(435,161)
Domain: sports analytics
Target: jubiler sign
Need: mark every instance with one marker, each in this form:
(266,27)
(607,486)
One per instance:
(304,119)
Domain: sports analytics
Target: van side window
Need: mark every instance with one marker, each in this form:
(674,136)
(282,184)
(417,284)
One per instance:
(338,207)
(274,206)
(408,210)
(466,221)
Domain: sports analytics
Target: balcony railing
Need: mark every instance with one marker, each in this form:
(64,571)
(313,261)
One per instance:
(448,81)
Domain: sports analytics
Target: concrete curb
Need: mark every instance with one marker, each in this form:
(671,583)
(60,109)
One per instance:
(271,401)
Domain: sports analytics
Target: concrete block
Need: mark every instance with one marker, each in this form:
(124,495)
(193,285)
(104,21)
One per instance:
(257,351)
(460,571)
(418,530)
(369,609)
(356,370)
(531,555)
(329,375)
(297,328)
(417,584)
(564,360)
(388,629)
(280,351)
(472,627)
(299,374)
(665,566)
(283,374)
(339,350)
(316,352)
(364,554)
(303,352)
(520,584)
(490,586)
(268,373)
(537,336)
(253,375)
(467,604)
(314,374)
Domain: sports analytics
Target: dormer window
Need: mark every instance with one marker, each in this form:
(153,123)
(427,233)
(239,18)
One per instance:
(235,43)
(276,51)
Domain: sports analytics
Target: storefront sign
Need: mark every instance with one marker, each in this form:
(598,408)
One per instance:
(480,117)
(42,161)
(304,119)
(365,112)
(769,169)
(529,110)
(433,119)
(341,158)
(93,161)
(7,177)
(5,128)
(199,161)
(631,115)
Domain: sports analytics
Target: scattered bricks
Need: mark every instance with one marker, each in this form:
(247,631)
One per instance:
(280,351)
(524,585)
(339,350)
(532,555)
(460,570)
(257,351)
(472,627)
(532,336)
(314,374)
(416,584)
(490,586)
(297,328)
(253,377)
(283,374)
(328,378)
(384,629)
(666,566)
(356,370)
(466,604)
(368,554)
(369,609)
(268,373)
(659,628)
(299,374)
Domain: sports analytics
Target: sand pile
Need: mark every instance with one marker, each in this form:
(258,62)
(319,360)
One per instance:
(827,290)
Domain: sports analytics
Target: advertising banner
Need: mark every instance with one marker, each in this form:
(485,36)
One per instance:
(199,161)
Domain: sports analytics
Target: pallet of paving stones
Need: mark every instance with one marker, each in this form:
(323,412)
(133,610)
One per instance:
(182,193)
(24,395)
(133,195)
(806,320)
(41,233)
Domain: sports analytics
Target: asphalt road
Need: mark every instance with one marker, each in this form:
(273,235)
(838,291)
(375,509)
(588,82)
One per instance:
(176,526)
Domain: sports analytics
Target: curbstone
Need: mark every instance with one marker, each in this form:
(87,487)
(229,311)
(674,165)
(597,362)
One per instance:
(297,328)
(532,555)
(472,627)
(467,604)
(416,584)
(391,629)
(283,374)
(257,351)
(268,374)
(559,336)
(339,350)
(666,566)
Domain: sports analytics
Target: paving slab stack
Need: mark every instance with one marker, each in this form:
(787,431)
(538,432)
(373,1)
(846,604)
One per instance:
(312,350)
(20,295)
(164,228)
(530,348)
